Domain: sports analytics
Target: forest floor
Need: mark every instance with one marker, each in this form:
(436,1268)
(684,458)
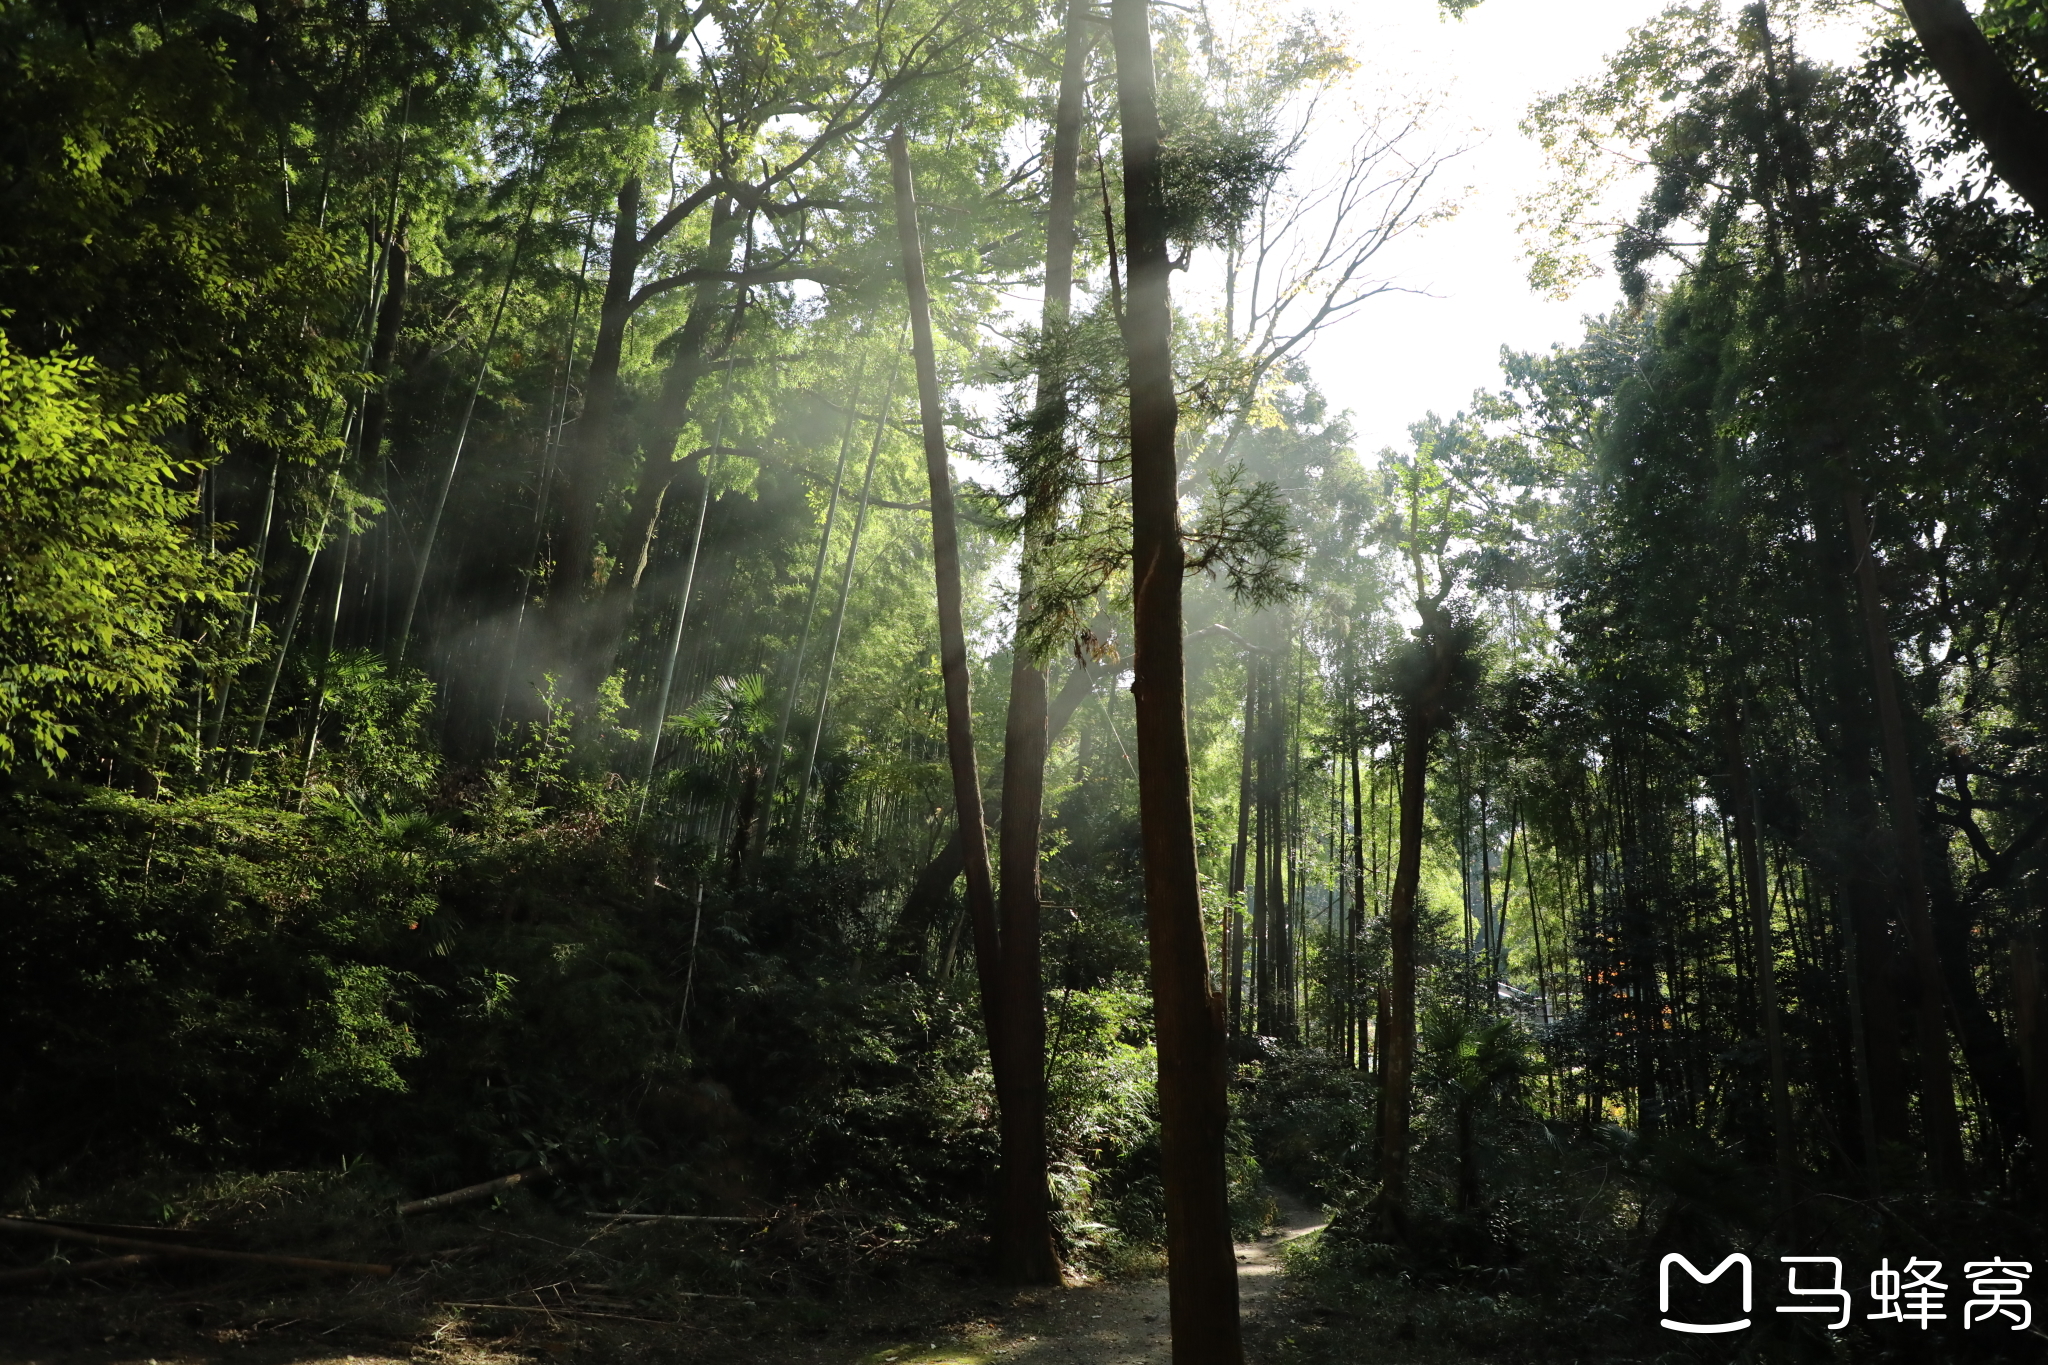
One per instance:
(451,1305)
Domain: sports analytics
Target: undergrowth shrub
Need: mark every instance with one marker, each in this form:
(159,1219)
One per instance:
(380,961)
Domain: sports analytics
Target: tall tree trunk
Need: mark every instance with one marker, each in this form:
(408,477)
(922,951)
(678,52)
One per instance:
(860,521)
(588,465)
(1357,926)
(1194,1106)
(1749,843)
(384,346)
(1997,109)
(1233,966)
(1262,848)
(2028,1001)
(952,632)
(1025,1251)
(1395,1047)
(803,643)
(1943,1133)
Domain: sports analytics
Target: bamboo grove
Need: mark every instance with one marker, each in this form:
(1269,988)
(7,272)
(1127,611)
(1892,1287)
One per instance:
(478,493)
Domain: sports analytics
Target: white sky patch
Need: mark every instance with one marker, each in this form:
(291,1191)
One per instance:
(1404,354)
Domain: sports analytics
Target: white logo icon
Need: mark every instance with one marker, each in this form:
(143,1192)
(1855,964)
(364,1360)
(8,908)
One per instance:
(1664,1291)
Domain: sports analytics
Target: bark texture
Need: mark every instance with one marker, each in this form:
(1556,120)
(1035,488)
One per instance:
(1024,1244)
(1193,1100)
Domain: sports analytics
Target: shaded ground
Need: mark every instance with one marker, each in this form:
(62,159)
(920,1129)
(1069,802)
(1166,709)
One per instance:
(490,1289)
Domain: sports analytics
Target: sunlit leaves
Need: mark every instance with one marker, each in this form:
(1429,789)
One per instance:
(99,572)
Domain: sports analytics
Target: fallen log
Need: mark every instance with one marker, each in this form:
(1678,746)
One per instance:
(101,1239)
(43,1274)
(469,1192)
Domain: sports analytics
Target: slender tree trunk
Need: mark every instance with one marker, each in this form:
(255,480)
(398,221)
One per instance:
(1396,1050)
(952,632)
(1357,926)
(675,644)
(291,626)
(860,521)
(1025,1251)
(1995,106)
(1749,843)
(1938,1117)
(384,347)
(2027,1010)
(935,880)
(483,365)
(1194,1105)
(1240,851)
(803,644)
(1265,1012)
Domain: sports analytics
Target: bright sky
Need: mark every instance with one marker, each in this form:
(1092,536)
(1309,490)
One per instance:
(1402,355)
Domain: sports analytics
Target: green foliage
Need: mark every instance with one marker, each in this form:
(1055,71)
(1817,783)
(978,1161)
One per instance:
(105,583)
(1310,1117)
(1240,532)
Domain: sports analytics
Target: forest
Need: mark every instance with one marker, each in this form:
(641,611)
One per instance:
(706,679)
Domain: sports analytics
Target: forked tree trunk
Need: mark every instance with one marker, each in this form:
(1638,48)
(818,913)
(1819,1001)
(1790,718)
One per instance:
(690,363)
(952,632)
(1194,1107)
(1024,1245)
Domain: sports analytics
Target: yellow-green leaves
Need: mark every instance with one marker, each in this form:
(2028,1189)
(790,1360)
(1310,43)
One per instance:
(96,562)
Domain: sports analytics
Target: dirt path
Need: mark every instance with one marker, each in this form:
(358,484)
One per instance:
(956,1322)
(1120,1324)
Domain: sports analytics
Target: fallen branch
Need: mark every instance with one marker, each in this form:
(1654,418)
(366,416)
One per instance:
(64,1234)
(43,1274)
(563,1312)
(469,1192)
(678,1218)
(125,1230)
